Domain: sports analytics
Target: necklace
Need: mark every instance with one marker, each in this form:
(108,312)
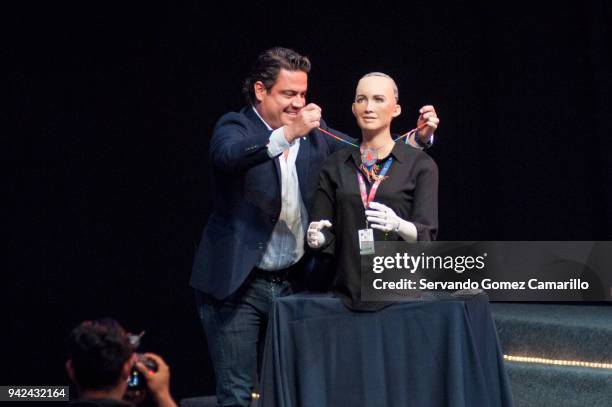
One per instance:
(369,156)
(369,166)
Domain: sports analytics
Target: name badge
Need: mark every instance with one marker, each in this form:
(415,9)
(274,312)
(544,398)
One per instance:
(366,241)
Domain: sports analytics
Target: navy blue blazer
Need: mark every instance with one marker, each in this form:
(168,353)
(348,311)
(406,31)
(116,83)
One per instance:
(247,198)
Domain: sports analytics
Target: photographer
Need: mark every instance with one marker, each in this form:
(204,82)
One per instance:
(100,362)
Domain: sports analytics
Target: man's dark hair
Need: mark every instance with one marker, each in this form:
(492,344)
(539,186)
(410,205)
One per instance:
(98,350)
(268,65)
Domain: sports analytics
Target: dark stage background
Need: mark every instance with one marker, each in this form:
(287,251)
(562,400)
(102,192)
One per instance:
(111,109)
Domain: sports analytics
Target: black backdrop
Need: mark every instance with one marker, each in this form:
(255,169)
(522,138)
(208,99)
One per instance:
(111,109)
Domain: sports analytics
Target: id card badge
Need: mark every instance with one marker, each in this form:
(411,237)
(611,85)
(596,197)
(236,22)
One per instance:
(366,241)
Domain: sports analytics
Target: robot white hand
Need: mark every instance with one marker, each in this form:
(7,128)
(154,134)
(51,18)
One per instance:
(383,218)
(314,236)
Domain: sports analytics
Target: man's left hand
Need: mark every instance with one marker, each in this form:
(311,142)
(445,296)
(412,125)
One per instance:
(429,119)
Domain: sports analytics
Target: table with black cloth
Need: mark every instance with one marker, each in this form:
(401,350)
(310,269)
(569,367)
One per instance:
(435,351)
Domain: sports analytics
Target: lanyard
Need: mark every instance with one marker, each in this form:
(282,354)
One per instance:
(422,126)
(362,188)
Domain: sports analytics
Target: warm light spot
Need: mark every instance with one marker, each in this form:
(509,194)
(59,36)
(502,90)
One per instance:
(557,362)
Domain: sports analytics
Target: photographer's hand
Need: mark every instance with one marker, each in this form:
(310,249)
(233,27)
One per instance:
(158,382)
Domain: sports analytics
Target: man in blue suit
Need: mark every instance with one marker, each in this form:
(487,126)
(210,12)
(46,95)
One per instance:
(265,166)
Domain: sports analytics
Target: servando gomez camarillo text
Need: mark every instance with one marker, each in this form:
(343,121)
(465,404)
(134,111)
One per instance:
(522,275)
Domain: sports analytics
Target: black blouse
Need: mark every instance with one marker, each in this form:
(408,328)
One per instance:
(411,190)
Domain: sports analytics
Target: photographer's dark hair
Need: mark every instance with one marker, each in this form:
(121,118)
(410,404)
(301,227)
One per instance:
(268,65)
(98,350)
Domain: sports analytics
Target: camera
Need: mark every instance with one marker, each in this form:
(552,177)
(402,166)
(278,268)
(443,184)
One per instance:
(136,381)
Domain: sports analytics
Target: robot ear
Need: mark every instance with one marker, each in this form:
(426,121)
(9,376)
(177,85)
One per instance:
(397,111)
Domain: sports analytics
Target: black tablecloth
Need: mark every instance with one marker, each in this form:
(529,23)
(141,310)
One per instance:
(437,351)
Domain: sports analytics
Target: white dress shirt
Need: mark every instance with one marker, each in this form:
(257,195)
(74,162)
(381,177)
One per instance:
(286,245)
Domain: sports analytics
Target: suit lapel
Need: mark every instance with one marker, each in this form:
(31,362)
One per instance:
(248,112)
(302,165)
(278,172)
